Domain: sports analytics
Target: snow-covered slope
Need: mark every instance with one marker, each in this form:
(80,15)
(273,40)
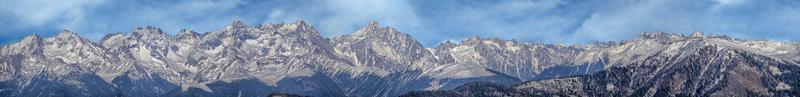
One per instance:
(243,60)
(671,65)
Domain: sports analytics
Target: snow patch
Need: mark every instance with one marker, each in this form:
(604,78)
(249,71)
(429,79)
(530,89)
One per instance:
(458,71)
(783,86)
(610,87)
(288,27)
(775,70)
(252,42)
(216,50)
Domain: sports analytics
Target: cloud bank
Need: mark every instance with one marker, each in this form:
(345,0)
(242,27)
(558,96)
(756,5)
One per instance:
(430,21)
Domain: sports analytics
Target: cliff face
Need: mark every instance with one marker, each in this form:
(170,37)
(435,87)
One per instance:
(242,60)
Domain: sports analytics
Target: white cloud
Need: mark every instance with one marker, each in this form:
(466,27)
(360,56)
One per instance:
(514,19)
(728,1)
(348,15)
(202,7)
(554,21)
(39,12)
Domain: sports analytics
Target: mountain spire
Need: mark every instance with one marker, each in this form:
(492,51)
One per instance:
(236,27)
(374,23)
(300,22)
(238,24)
(471,40)
(697,34)
(147,30)
(301,25)
(187,33)
(32,39)
(67,34)
(375,28)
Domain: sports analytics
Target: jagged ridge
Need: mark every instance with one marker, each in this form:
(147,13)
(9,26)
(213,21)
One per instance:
(242,60)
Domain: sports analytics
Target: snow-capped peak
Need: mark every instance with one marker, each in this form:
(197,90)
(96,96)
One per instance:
(67,34)
(301,23)
(35,38)
(238,24)
(30,42)
(235,28)
(472,40)
(148,31)
(373,28)
(374,61)
(697,34)
(187,33)
(373,24)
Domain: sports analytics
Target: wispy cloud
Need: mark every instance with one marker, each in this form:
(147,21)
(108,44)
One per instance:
(431,22)
(40,12)
(734,17)
(345,16)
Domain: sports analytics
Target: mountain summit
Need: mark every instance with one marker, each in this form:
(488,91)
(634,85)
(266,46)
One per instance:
(292,58)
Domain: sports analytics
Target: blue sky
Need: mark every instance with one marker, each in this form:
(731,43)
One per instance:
(429,21)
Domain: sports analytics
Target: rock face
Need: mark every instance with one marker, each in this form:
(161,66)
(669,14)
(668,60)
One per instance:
(678,66)
(292,59)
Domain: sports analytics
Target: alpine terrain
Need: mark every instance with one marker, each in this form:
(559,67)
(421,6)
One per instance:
(377,61)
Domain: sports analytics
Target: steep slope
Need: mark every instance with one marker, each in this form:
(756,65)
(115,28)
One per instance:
(382,47)
(385,62)
(525,61)
(242,60)
(699,68)
(681,66)
(280,56)
(63,65)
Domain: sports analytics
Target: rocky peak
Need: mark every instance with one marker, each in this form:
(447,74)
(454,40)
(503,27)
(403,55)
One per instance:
(26,46)
(32,39)
(305,30)
(68,37)
(374,24)
(697,35)
(301,24)
(237,24)
(113,39)
(374,32)
(391,48)
(375,29)
(298,26)
(148,31)
(719,36)
(237,27)
(267,26)
(29,42)
(474,39)
(67,34)
(446,44)
(187,33)
(654,35)
(659,37)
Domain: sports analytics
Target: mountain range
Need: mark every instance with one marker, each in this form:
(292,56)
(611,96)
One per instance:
(376,61)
